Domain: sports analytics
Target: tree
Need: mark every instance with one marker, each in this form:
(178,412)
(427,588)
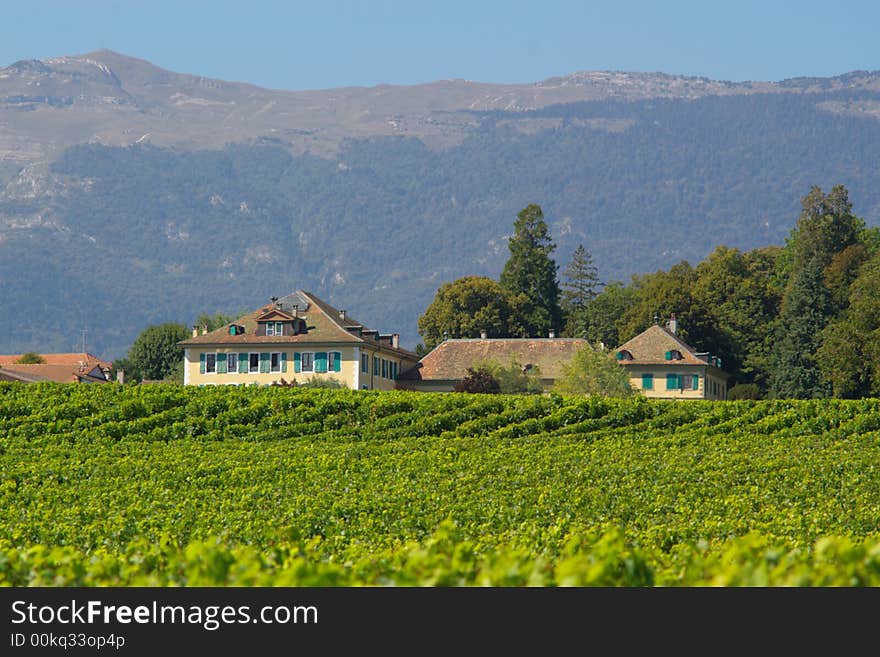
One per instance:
(578,290)
(818,262)
(214,321)
(662,293)
(805,313)
(601,320)
(735,289)
(514,379)
(478,380)
(531,272)
(848,356)
(155,354)
(468,306)
(30,358)
(592,371)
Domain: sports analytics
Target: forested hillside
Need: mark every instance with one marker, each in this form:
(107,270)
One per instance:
(113,239)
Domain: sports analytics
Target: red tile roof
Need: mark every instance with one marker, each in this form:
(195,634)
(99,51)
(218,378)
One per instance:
(48,372)
(77,364)
(450,360)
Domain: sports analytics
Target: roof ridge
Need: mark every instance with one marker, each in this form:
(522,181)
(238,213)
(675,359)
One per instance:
(320,304)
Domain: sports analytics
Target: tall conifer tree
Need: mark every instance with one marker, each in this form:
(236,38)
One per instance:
(530,272)
(579,288)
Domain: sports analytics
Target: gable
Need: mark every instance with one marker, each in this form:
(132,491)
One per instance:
(656,345)
(274,315)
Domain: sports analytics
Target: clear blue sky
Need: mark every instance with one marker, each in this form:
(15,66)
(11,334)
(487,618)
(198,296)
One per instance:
(332,43)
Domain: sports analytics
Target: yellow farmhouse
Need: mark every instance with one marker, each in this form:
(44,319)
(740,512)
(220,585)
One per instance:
(295,338)
(661,366)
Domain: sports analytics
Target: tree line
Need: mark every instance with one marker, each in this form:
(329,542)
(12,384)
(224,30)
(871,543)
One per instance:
(796,321)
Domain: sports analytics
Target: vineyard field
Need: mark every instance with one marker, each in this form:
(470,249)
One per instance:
(187,486)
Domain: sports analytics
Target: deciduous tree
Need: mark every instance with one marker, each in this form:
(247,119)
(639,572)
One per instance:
(468,306)
(592,371)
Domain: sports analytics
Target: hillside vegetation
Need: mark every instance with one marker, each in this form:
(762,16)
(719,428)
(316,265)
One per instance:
(169,485)
(378,225)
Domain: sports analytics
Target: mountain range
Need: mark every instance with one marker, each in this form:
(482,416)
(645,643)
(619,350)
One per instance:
(131,195)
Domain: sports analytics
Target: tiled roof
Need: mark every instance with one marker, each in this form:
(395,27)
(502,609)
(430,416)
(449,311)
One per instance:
(15,375)
(78,362)
(450,360)
(47,372)
(650,346)
(324,324)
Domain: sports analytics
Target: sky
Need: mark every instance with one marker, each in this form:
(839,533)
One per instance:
(333,43)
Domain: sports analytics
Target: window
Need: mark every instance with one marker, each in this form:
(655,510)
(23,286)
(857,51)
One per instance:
(270,328)
(365,363)
(333,358)
(307,361)
(673,381)
(623,354)
(232,362)
(210,363)
(253,362)
(384,369)
(394,371)
(375,366)
(275,362)
(647,381)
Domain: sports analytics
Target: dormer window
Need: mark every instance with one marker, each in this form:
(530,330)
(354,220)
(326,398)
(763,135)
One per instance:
(674,354)
(274,328)
(236,329)
(624,354)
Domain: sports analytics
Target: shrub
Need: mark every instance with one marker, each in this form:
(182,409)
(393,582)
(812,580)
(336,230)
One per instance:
(479,380)
(30,358)
(744,391)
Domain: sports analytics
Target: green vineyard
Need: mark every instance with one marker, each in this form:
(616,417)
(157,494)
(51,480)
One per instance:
(166,485)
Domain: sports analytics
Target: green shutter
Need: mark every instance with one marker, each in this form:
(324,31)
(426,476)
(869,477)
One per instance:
(221,363)
(668,355)
(619,355)
(296,362)
(337,361)
(264,362)
(243,360)
(320,361)
(672,381)
(647,381)
(283,361)
(696,381)
(202,363)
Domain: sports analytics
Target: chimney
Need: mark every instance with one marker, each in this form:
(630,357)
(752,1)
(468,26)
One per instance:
(342,315)
(120,376)
(483,335)
(672,324)
(195,330)
(395,340)
(204,329)
(552,334)
(296,310)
